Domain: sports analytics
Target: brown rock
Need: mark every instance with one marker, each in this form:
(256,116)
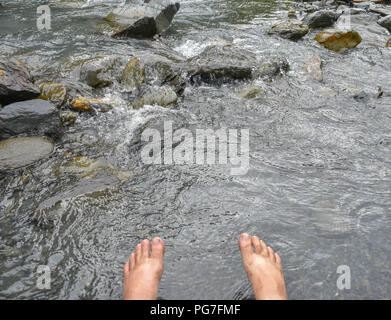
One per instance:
(388,44)
(338,40)
(85,104)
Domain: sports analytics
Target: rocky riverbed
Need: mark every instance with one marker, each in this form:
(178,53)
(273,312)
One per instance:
(310,80)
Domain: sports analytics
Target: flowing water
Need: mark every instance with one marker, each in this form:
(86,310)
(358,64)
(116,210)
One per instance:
(318,189)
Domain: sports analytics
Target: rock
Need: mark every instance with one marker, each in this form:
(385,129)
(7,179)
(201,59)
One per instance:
(385,22)
(68,118)
(388,44)
(292,30)
(321,18)
(53,92)
(133,75)
(250,93)
(100,72)
(314,68)
(273,67)
(15,82)
(92,105)
(20,152)
(163,97)
(33,116)
(337,40)
(142,19)
(220,64)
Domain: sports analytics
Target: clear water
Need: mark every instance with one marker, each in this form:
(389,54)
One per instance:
(318,190)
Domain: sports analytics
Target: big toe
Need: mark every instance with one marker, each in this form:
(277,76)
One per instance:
(157,248)
(245,246)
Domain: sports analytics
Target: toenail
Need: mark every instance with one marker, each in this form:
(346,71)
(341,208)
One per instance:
(156,240)
(244,237)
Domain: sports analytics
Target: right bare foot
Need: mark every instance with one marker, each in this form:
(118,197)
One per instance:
(263,268)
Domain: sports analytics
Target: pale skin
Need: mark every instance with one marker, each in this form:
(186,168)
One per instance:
(143,271)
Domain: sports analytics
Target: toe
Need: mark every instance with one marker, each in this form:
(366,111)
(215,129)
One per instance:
(126,269)
(138,253)
(132,261)
(157,248)
(264,251)
(245,246)
(257,244)
(278,259)
(145,249)
(271,254)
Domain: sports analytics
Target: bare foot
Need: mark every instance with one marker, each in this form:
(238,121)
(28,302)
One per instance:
(143,271)
(263,268)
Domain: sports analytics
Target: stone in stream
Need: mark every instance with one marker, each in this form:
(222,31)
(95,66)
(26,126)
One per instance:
(338,40)
(15,82)
(19,152)
(388,44)
(133,75)
(321,18)
(92,105)
(142,19)
(385,22)
(379,10)
(292,30)
(250,93)
(33,116)
(314,68)
(53,92)
(164,97)
(220,64)
(68,118)
(273,67)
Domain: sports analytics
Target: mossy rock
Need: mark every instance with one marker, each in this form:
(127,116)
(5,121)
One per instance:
(54,92)
(388,44)
(85,104)
(164,97)
(134,74)
(250,93)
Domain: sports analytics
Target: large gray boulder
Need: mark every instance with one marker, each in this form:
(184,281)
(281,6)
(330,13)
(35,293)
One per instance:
(321,18)
(142,19)
(33,116)
(15,82)
(385,22)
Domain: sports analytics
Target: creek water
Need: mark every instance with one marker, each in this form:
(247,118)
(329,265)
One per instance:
(318,188)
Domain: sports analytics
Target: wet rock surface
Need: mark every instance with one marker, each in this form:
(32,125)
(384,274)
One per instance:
(337,40)
(321,18)
(142,19)
(292,30)
(19,152)
(32,116)
(16,83)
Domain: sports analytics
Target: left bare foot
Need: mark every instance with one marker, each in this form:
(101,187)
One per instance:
(143,271)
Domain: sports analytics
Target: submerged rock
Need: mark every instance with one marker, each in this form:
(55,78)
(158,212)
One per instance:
(164,97)
(19,152)
(133,75)
(388,44)
(33,116)
(314,68)
(15,82)
(385,22)
(321,18)
(92,105)
(142,19)
(274,66)
(68,118)
(54,92)
(219,64)
(250,93)
(292,30)
(337,40)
